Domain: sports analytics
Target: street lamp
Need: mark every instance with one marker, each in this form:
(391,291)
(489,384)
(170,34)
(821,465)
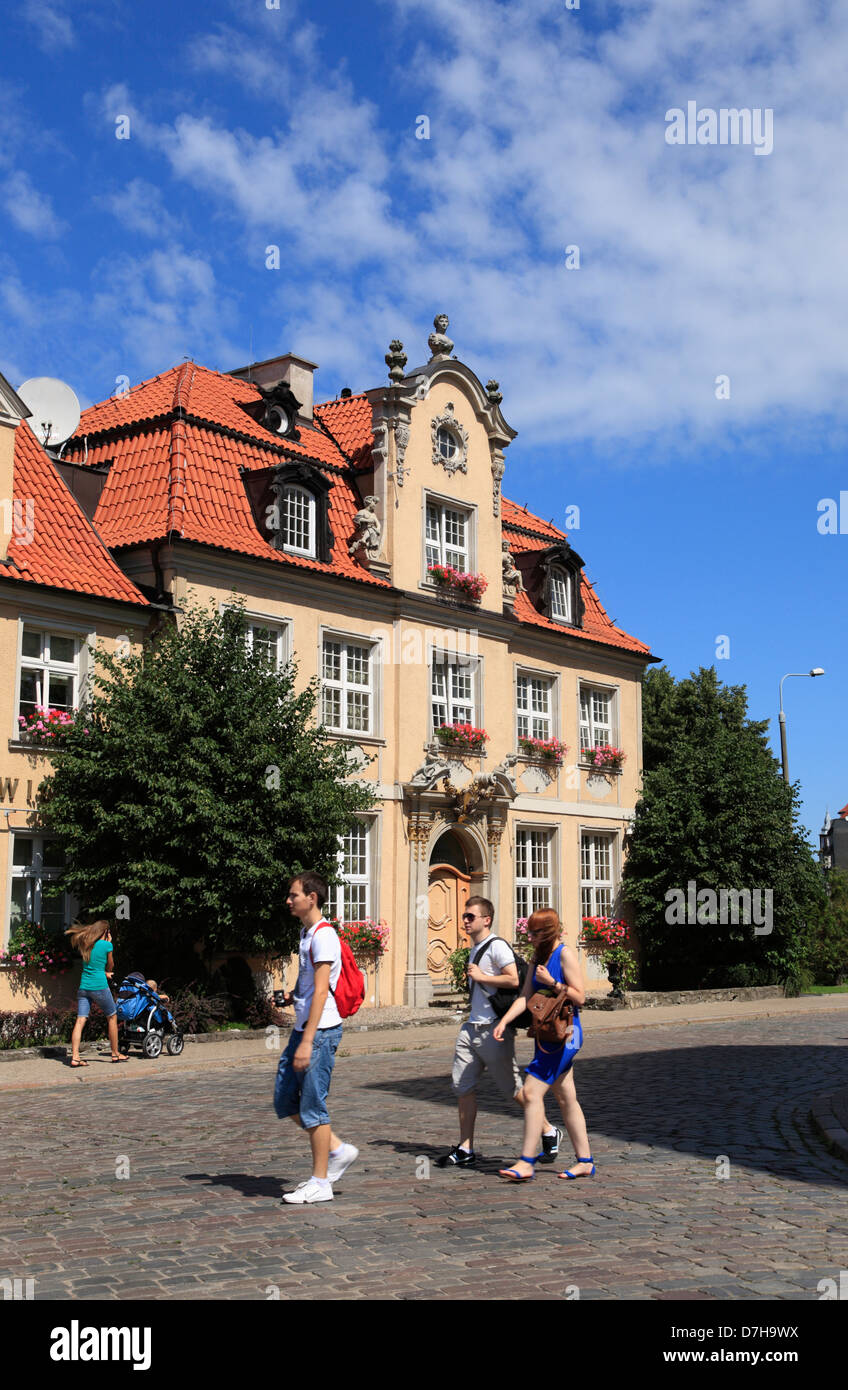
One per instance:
(816,671)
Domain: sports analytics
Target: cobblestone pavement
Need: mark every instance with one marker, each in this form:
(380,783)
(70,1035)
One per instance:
(199,1216)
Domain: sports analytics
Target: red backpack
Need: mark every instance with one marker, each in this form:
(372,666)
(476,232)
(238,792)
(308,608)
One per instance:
(350,987)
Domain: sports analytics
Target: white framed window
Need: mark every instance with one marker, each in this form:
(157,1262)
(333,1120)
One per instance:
(447,443)
(348,685)
(50,670)
(535,885)
(562,596)
(454,689)
(297,521)
(355,898)
(447,535)
(36,860)
(597,873)
(270,640)
(534,705)
(597,716)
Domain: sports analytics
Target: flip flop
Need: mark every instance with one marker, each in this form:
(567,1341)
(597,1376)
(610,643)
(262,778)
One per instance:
(78,1062)
(118,1059)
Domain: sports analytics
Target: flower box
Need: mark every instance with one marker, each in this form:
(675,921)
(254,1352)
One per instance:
(365,937)
(457,583)
(463,737)
(44,725)
(603,757)
(547,750)
(31,947)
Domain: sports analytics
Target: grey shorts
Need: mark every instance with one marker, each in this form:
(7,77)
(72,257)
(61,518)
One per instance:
(478,1051)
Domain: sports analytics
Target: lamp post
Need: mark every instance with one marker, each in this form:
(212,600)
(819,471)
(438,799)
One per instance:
(816,671)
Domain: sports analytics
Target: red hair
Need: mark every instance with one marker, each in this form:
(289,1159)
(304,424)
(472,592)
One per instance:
(551,930)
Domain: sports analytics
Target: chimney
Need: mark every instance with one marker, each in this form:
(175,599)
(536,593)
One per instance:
(12,411)
(296,372)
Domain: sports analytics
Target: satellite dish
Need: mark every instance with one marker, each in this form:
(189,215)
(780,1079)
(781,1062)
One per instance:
(55,409)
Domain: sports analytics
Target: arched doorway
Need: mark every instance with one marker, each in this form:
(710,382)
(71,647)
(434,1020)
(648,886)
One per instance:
(450,885)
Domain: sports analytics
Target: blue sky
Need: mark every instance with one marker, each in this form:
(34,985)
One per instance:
(252,126)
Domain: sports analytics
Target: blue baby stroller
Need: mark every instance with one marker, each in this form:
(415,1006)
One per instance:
(144,1019)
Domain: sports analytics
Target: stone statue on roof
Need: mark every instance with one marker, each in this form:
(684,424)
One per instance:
(440,344)
(370,531)
(512,581)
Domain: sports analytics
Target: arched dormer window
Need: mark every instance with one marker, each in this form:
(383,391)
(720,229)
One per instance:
(562,600)
(297,520)
(299,517)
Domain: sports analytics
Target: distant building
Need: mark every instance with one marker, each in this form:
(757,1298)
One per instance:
(833,841)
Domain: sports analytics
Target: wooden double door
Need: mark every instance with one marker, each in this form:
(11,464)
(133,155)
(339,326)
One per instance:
(448,892)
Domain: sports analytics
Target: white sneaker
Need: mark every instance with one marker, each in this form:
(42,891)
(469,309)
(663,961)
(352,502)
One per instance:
(338,1166)
(309,1192)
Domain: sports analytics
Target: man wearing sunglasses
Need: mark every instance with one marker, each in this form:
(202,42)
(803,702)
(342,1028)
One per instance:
(476,1049)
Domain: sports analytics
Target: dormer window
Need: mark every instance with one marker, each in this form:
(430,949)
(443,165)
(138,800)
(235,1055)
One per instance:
(562,596)
(297,521)
(295,510)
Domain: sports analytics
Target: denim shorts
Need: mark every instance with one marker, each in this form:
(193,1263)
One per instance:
(101,997)
(304,1093)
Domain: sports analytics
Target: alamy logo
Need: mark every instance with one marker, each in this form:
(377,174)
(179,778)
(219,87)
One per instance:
(77,1343)
(727,126)
(703,907)
(18,1288)
(18,519)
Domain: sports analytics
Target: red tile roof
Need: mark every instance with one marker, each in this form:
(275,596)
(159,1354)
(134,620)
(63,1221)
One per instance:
(349,422)
(65,551)
(179,443)
(180,440)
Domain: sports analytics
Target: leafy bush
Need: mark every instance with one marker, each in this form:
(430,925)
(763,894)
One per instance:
(198,1011)
(46,1026)
(457,963)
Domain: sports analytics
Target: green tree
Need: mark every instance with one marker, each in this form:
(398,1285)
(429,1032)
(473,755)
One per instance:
(193,784)
(715,811)
(829,947)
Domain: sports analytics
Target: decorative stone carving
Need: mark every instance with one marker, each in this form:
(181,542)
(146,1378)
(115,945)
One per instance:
(379,447)
(598,786)
(396,360)
(420,823)
(504,771)
(535,778)
(498,468)
(433,767)
(493,392)
(494,834)
(440,345)
(512,581)
(370,529)
(459,462)
(401,442)
(466,802)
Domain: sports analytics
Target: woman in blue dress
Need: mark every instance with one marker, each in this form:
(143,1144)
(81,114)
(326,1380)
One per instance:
(556,969)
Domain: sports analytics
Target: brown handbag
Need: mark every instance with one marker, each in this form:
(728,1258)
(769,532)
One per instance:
(553,1018)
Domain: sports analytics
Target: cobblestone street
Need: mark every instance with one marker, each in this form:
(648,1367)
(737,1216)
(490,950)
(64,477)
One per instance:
(199,1216)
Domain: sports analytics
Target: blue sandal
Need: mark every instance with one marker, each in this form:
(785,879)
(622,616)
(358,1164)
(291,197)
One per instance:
(514,1176)
(567,1174)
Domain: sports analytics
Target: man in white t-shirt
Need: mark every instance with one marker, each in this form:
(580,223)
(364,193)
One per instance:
(476,1049)
(306,1066)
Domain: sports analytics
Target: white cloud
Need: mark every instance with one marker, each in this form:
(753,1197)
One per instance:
(695,261)
(140,208)
(30,210)
(53,26)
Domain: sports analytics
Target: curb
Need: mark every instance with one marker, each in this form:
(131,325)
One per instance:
(829,1126)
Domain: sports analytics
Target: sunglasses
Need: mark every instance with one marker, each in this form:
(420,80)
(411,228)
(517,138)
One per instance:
(468,916)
